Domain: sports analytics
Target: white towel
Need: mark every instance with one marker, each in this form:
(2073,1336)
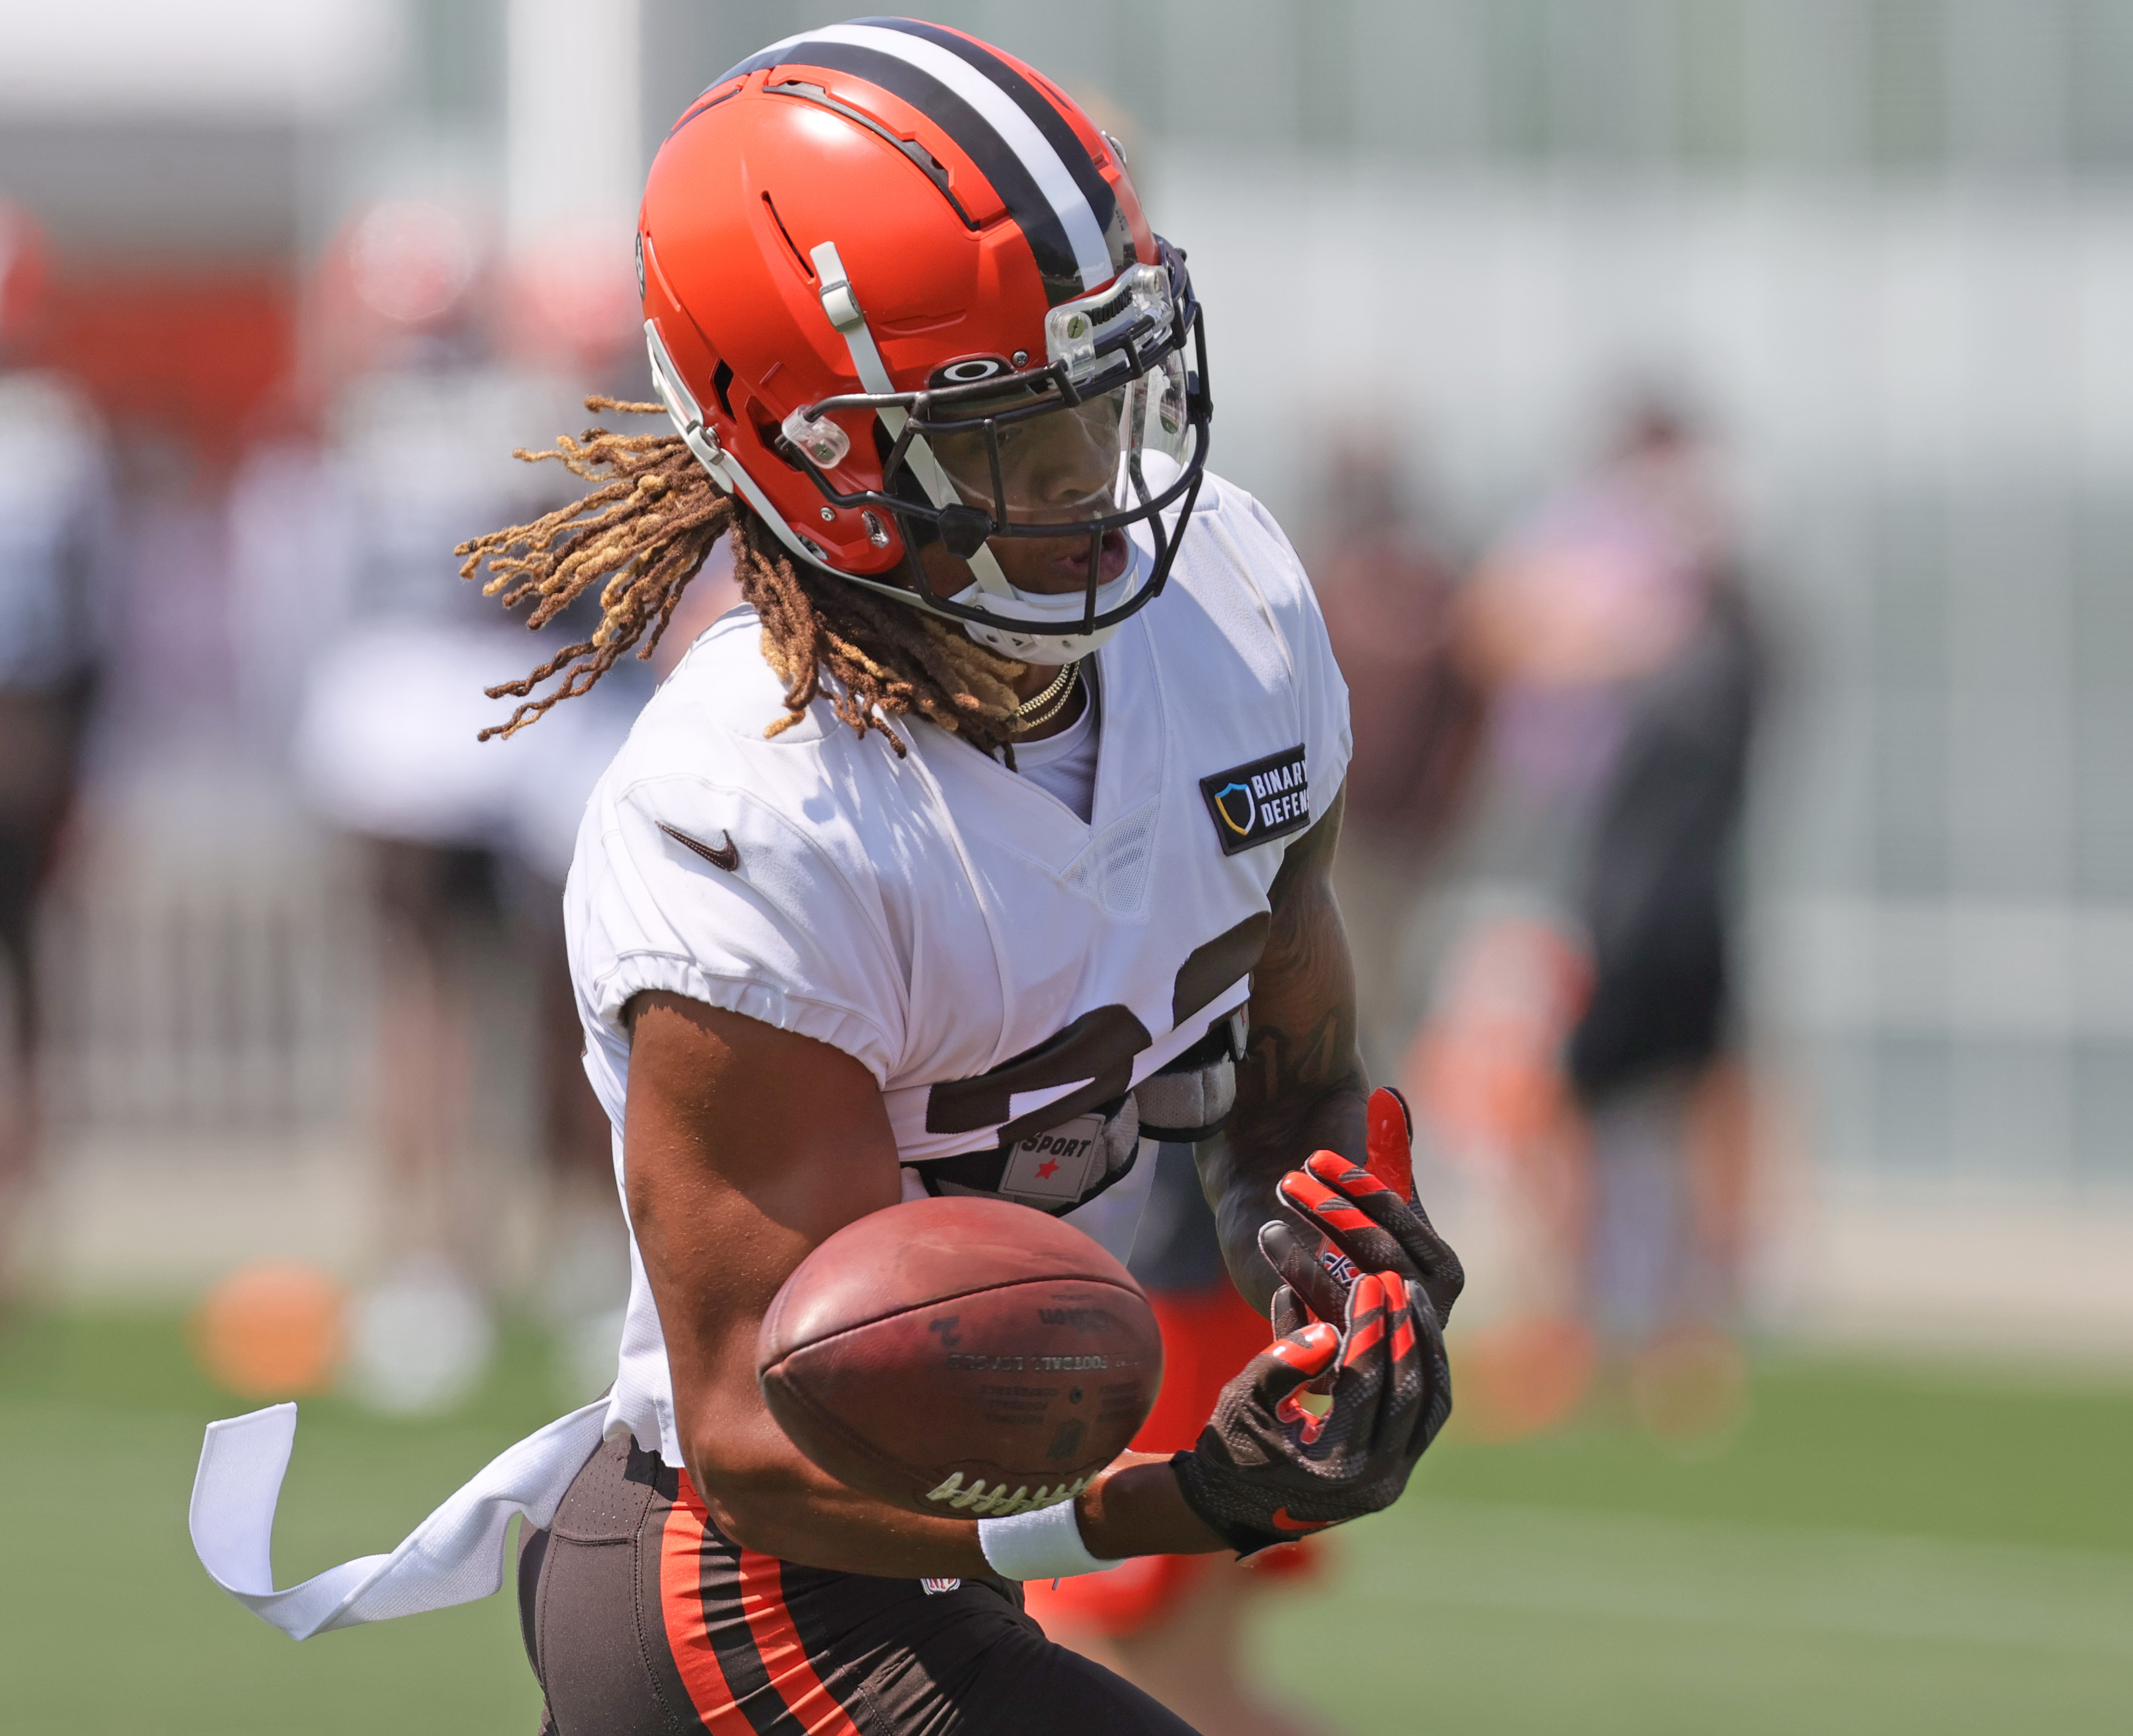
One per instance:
(454,1557)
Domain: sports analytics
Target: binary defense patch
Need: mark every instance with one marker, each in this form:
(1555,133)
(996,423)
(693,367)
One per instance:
(1268,799)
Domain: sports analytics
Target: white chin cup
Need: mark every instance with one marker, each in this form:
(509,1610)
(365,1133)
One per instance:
(1032,627)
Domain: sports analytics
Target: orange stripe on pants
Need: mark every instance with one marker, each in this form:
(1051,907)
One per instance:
(784,1657)
(681,1608)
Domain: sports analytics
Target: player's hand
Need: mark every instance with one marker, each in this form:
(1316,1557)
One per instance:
(1266,1471)
(1371,1222)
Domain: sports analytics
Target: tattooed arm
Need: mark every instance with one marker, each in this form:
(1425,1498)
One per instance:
(1301,1087)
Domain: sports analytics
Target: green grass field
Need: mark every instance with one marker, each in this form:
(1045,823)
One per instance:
(1879,1550)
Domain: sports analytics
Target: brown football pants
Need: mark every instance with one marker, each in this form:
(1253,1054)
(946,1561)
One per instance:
(640,1617)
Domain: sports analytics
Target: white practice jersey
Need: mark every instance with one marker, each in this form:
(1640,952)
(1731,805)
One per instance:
(998,965)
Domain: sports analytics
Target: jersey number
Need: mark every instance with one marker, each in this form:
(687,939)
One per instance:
(1095,1054)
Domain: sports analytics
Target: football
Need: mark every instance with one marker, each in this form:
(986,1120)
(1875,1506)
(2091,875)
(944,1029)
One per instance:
(968,1357)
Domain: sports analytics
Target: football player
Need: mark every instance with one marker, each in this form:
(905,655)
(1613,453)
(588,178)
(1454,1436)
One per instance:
(987,845)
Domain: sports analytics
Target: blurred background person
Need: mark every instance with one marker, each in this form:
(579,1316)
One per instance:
(56,535)
(570,319)
(1387,590)
(1612,632)
(462,836)
(1655,1060)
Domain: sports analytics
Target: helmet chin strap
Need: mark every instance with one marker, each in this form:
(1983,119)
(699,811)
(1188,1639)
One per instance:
(1030,638)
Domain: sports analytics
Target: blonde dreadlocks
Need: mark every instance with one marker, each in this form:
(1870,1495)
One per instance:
(644,532)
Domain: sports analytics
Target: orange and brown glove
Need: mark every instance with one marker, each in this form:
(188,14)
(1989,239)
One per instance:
(1371,1222)
(1266,1471)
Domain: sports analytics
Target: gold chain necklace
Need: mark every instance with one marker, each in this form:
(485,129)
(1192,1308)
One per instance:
(1045,707)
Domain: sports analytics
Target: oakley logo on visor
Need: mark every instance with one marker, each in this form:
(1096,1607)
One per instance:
(1268,799)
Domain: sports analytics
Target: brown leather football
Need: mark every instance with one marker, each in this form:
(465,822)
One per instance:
(962,1357)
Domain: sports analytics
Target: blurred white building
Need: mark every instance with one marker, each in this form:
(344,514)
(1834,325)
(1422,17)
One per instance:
(1887,245)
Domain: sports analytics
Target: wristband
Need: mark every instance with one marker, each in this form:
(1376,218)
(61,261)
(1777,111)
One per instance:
(1045,1544)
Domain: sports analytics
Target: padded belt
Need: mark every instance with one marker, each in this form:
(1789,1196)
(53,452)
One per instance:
(1117,1133)
(1190,1098)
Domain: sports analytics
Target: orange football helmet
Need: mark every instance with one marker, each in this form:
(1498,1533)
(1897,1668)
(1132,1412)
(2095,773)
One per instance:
(890,274)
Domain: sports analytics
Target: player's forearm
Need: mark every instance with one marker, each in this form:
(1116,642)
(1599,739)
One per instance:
(770,1497)
(1134,1507)
(1301,1087)
(841,1530)
(1239,1171)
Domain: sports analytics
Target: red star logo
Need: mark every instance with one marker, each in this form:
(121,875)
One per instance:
(1047,1170)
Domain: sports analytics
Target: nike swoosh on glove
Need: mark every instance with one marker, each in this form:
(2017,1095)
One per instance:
(1266,1471)
(1371,1219)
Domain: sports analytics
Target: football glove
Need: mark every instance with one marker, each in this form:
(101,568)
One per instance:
(1370,1220)
(1267,1471)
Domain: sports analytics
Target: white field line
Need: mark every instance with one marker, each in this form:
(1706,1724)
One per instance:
(1728,1574)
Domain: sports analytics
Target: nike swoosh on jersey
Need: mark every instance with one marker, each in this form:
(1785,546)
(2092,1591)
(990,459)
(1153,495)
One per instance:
(725,856)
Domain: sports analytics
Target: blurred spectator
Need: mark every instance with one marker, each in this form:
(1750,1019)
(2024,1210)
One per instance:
(54,546)
(466,841)
(1387,593)
(1651,1060)
(1624,671)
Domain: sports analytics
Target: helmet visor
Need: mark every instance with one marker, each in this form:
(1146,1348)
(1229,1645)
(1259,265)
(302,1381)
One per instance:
(1028,462)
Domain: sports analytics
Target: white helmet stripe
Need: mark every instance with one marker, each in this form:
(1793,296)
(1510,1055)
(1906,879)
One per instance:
(1017,132)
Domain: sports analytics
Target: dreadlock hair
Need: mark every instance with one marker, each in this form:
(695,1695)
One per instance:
(645,530)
